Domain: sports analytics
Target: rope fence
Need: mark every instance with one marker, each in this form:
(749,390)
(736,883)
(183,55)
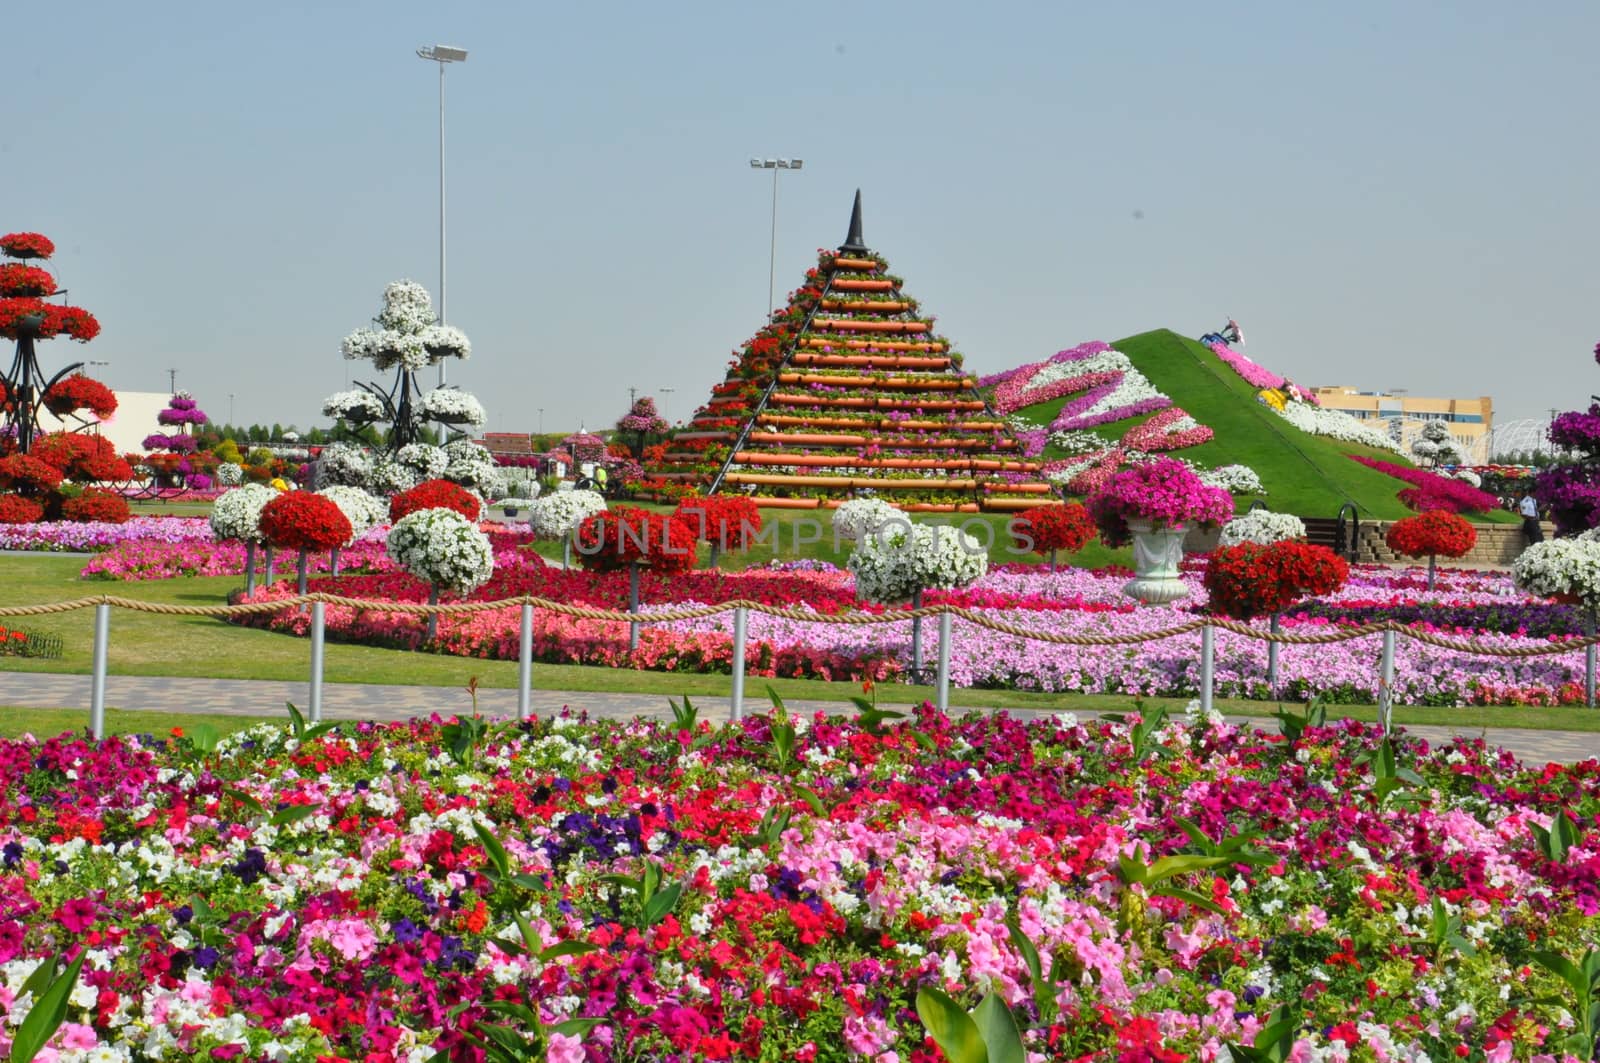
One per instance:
(741,608)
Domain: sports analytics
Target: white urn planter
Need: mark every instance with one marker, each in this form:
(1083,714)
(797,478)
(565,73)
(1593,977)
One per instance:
(1157,552)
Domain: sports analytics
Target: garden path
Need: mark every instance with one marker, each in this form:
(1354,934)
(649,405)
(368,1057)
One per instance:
(354,701)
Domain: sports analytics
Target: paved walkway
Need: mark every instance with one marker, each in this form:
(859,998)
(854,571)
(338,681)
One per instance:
(352,701)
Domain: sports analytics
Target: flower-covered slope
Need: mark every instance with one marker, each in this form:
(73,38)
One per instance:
(850,387)
(1089,426)
(392,892)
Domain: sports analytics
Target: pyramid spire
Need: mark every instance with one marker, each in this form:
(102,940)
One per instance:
(854,241)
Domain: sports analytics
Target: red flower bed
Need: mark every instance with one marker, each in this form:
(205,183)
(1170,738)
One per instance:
(78,392)
(435,494)
(1434,534)
(728,522)
(28,473)
(301,520)
(97,504)
(1050,528)
(14,509)
(627,535)
(1251,580)
(27,245)
(1431,491)
(17,279)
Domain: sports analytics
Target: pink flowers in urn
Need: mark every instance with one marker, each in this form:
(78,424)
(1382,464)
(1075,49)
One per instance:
(1166,493)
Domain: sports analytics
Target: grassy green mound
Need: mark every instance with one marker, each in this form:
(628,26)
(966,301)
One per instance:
(1311,476)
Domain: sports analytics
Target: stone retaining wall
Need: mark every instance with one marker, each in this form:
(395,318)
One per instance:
(1498,545)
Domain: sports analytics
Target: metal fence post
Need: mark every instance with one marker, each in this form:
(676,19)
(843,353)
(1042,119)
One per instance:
(941,689)
(1386,684)
(1208,665)
(317,630)
(916,638)
(736,701)
(97,685)
(1588,661)
(1276,627)
(525,664)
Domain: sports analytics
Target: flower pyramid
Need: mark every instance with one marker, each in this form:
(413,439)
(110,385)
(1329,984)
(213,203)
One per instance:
(846,389)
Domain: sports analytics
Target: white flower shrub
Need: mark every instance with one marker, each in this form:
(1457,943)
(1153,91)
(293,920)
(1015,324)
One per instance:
(1235,479)
(558,515)
(1334,425)
(471,466)
(863,516)
(356,406)
(1467,476)
(361,509)
(390,477)
(229,475)
(341,463)
(893,563)
(442,547)
(453,406)
(236,514)
(1262,526)
(427,461)
(1561,566)
(407,334)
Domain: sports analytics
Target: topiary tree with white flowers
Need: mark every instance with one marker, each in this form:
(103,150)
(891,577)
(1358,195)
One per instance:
(899,560)
(443,548)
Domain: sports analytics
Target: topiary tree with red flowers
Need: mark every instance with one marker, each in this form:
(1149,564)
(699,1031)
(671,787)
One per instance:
(435,494)
(304,521)
(631,538)
(1434,534)
(1046,529)
(727,522)
(1252,579)
(97,504)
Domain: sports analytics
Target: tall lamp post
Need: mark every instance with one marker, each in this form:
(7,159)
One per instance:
(664,393)
(772,255)
(442,54)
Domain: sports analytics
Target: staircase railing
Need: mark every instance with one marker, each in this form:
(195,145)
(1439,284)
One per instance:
(1347,531)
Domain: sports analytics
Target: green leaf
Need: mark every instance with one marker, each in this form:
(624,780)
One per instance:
(813,801)
(652,881)
(925,740)
(661,904)
(872,719)
(1565,970)
(777,702)
(1183,863)
(998,1028)
(574,1027)
(203,912)
(527,882)
(510,1008)
(492,847)
(511,1042)
(47,1013)
(951,1028)
(1134,872)
(1190,897)
(293,814)
(244,799)
(567,948)
(297,722)
(318,731)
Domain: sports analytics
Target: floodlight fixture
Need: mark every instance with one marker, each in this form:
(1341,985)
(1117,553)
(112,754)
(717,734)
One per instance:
(443,53)
(774,165)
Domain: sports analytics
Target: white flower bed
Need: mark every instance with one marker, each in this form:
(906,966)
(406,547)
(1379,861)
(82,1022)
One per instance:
(1235,479)
(361,509)
(1079,442)
(453,406)
(892,564)
(355,406)
(863,516)
(1262,526)
(442,547)
(1134,386)
(236,514)
(1335,425)
(1561,566)
(558,515)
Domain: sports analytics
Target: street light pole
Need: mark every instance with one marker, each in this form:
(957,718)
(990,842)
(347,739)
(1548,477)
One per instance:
(772,254)
(442,54)
(172,382)
(664,393)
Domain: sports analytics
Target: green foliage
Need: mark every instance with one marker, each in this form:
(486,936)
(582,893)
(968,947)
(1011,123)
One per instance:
(1554,842)
(685,715)
(1388,778)
(1143,734)
(783,733)
(1292,727)
(51,992)
(1444,932)
(987,1034)
(1273,1042)
(1583,978)
(228,451)
(656,901)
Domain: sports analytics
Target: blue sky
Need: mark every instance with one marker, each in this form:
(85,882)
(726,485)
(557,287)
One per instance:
(1384,195)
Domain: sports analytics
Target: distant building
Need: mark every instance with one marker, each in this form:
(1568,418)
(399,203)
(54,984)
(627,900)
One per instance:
(135,418)
(1470,420)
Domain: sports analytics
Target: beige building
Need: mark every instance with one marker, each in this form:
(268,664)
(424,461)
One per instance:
(135,418)
(1469,420)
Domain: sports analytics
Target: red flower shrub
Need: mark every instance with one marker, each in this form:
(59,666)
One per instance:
(435,494)
(1251,580)
(14,509)
(303,520)
(1437,533)
(73,320)
(26,472)
(78,392)
(1051,528)
(1429,490)
(628,535)
(17,279)
(728,522)
(82,457)
(27,245)
(97,504)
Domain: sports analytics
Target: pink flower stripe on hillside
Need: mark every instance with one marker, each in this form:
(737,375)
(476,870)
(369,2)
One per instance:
(1156,434)
(1258,376)
(1431,491)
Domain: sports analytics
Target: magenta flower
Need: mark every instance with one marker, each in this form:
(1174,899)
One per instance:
(77,915)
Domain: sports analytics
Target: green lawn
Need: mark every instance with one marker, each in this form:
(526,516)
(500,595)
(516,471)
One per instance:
(147,644)
(1310,476)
